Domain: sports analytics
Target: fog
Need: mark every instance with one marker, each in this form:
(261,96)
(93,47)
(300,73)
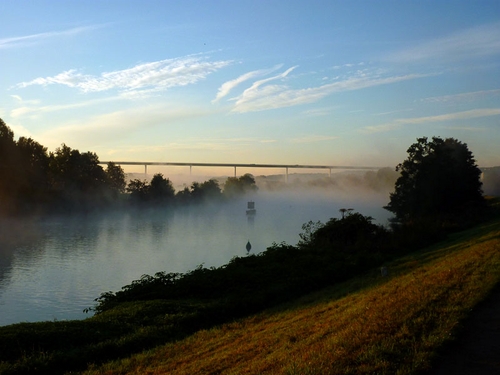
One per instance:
(53,267)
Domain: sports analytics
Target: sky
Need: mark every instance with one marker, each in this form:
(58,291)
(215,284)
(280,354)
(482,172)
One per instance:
(283,82)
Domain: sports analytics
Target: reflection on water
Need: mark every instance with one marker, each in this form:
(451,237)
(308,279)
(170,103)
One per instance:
(52,269)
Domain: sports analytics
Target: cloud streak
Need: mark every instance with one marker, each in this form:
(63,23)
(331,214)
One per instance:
(463,97)
(159,75)
(263,96)
(22,41)
(226,87)
(478,42)
(464,115)
(313,139)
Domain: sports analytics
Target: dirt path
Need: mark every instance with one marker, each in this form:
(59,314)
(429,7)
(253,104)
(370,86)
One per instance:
(477,350)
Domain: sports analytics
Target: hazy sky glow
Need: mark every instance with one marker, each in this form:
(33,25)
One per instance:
(289,82)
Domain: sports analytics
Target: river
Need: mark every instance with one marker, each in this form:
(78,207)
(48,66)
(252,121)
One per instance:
(52,268)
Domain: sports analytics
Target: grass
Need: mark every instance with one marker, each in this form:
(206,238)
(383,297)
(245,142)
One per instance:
(369,325)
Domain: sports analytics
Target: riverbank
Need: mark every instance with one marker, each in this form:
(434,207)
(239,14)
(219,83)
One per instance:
(402,323)
(402,320)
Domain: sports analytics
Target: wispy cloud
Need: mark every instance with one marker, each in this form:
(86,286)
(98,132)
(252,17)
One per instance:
(263,96)
(464,128)
(348,65)
(226,87)
(318,112)
(464,115)
(158,75)
(21,41)
(463,97)
(313,139)
(392,112)
(477,42)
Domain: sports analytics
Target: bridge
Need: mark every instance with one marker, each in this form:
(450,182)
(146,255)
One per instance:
(286,167)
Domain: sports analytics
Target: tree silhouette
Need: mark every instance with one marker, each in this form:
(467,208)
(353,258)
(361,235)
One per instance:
(439,177)
(353,232)
(160,189)
(115,178)
(33,172)
(8,170)
(138,190)
(78,181)
(237,186)
(344,211)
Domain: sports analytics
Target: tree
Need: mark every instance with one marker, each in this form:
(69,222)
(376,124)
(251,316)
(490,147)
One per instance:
(78,180)
(211,188)
(116,178)
(138,190)
(33,168)
(8,170)
(196,192)
(183,196)
(344,211)
(439,177)
(354,232)
(161,189)
(238,186)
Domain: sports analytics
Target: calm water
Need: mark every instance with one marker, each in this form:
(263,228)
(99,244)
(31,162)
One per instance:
(54,268)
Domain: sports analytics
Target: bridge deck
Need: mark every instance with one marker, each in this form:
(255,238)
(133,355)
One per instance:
(239,165)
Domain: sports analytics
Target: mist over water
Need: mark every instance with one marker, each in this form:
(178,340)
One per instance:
(56,266)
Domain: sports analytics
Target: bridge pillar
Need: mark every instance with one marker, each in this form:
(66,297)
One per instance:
(190,170)
(145,169)
(286,175)
(235,171)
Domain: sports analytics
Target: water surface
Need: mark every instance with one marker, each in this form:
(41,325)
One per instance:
(52,268)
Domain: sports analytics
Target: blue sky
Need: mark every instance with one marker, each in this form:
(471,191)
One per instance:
(292,82)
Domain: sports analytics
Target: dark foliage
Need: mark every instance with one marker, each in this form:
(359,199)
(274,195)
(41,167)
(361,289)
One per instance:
(8,169)
(235,186)
(161,190)
(354,232)
(439,179)
(116,179)
(77,179)
(66,180)
(34,181)
(203,192)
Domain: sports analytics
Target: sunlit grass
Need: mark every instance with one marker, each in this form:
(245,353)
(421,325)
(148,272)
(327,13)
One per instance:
(369,325)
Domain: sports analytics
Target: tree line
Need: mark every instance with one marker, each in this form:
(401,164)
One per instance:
(33,180)
(439,181)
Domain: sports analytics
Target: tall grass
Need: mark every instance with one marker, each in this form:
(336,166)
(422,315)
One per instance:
(369,325)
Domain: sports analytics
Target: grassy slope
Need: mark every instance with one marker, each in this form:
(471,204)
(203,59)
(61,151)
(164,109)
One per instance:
(371,324)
